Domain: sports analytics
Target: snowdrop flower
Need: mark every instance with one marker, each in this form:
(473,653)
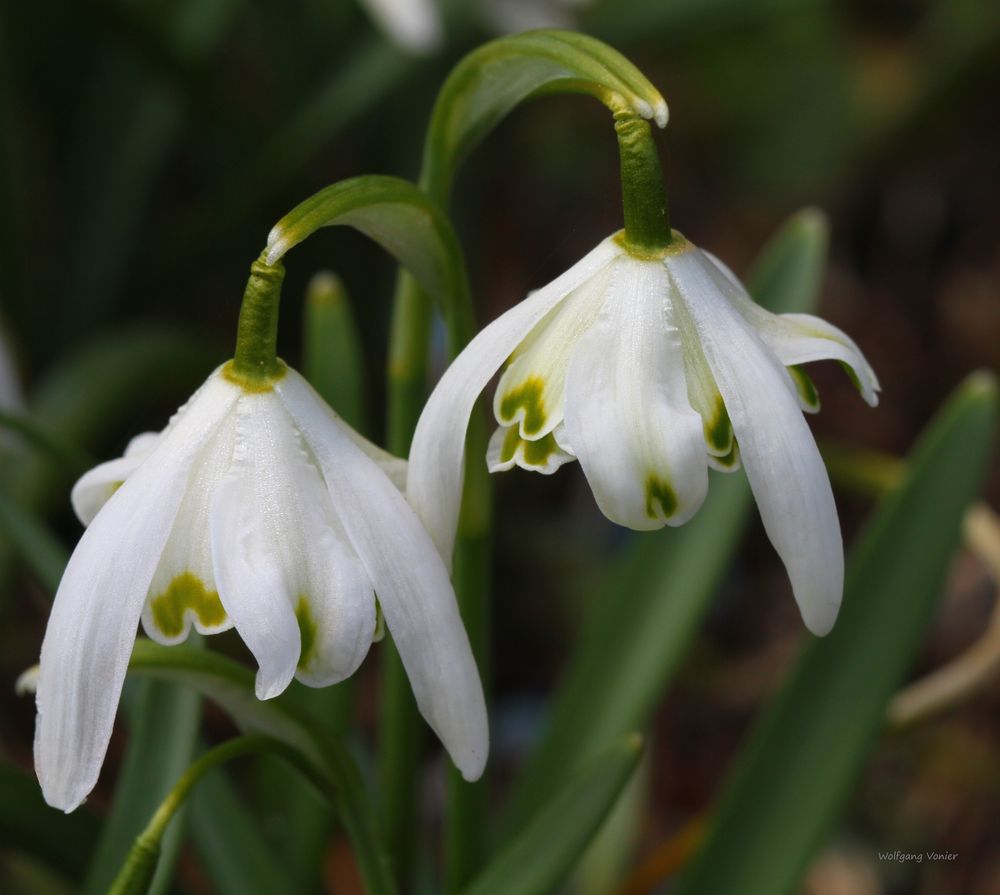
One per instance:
(256,508)
(649,368)
(415,25)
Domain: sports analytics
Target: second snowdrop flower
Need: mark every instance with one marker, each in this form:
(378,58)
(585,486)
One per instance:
(256,508)
(648,368)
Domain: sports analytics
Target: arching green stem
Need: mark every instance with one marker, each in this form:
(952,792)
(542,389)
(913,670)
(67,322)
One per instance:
(140,865)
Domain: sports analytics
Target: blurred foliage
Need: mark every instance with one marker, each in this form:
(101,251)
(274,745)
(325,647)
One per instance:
(146,148)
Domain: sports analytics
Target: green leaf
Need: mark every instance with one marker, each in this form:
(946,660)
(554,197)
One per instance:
(542,855)
(236,856)
(491,80)
(160,747)
(658,593)
(231,685)
(30,539)
(805,753)
(398,216)
(331,351)
(63,841)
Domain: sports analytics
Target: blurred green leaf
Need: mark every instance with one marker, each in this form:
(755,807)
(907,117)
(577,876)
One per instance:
(327,762)
(798,767)
(544,852)
(27,537)
(62,841)
(236,856)
(39,438)
(656,596)
(160,747)
(331,351)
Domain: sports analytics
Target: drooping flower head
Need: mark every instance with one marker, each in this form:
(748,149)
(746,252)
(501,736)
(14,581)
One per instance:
(649,368)
(256,508)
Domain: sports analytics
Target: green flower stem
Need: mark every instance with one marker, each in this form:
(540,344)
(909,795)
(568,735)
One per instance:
(480,91)
(255,363)
(647,221)
(140,865)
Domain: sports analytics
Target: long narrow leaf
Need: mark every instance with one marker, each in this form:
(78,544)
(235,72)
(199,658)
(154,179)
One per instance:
(542,855)
(803,756)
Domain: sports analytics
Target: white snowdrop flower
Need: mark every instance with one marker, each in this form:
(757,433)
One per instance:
(648,369)
(256,508)
(415,25)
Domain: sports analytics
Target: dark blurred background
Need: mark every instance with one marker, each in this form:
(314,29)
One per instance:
(146,148)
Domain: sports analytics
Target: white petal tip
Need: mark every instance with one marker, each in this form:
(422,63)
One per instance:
(268,689)
(27,682)
(820,619)
(472,767)
(661,114)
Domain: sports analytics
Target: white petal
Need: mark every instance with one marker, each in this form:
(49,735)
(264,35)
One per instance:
(628,415)
(531,390)
(507,449)
(410,581)
(437,455)
(93,622)
(801,338)
(250,526)
(779,453)
(414,24)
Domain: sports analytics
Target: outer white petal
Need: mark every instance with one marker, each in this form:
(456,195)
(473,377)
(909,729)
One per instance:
(249,523)
(628,416)
(95,487)
(410,581)
(92,626)
(779,453)
(801,338)
(414,24)
(434,484)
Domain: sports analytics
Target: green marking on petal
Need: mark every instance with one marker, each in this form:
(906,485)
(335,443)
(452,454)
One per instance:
(537,453)
(307,631)
(659,491)
(730,460)
(719,429)
(186,593)
(806,387)
(527,397)
(509,447)
(849,370)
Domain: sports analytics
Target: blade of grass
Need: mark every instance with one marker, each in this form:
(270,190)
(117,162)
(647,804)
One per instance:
(804,754)
(546,850)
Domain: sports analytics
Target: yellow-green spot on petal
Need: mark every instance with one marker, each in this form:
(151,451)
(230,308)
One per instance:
(509,447)
(849,370)
(537,453)
(526,397)
(730,460)
(719,429)
(307,632)
(660,493)
(186,593)
(805,386)
(257,382)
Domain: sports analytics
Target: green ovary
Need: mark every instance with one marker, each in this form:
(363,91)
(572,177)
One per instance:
(659,491)
(307,632)
(527,397)
(533,453)
(186,593)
